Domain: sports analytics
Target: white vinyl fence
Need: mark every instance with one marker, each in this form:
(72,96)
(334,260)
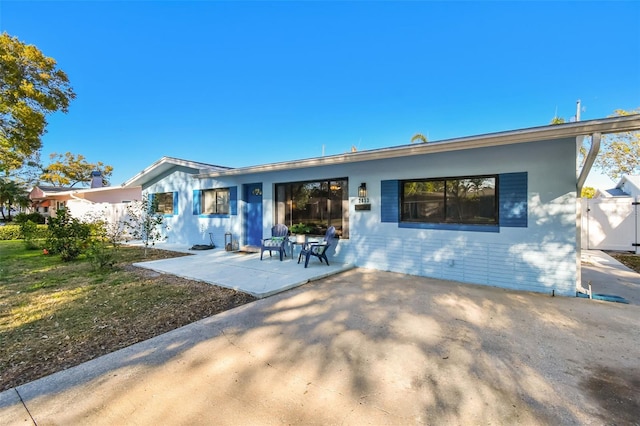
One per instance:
(112,213)
(611,224)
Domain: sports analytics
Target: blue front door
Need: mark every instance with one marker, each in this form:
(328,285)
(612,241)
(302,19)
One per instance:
(253,213)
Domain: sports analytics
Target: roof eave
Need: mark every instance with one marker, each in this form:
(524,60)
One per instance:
(561,131)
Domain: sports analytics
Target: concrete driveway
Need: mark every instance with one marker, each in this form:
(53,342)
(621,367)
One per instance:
(364,347)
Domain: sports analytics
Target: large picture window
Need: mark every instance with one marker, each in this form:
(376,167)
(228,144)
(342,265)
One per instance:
(460,200)
(215,201)
(317,204)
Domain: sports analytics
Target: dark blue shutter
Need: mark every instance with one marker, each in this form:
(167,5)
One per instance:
(175,203)
(512,195)
(197,200)
(233,200)
(389,201)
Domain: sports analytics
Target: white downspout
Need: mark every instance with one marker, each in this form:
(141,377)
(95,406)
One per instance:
(589,160)
(582,177)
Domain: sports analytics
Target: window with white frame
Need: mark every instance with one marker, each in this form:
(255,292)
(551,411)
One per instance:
(215,201)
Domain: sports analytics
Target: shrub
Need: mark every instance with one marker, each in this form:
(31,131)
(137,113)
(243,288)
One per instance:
(100,255)
(300,228)
(67,235)
(29,232)
(10,232)
(34,217)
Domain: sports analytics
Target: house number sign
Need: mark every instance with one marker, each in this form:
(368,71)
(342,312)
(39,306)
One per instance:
(363,203)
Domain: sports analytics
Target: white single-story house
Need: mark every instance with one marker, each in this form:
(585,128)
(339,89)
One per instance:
(498,209)
(611,220)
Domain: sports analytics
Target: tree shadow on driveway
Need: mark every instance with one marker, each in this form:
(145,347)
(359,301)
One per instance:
(365,347)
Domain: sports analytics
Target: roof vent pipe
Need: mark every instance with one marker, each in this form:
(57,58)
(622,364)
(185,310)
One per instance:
(589,160)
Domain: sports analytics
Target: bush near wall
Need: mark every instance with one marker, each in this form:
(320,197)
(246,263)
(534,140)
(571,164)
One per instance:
(12,232)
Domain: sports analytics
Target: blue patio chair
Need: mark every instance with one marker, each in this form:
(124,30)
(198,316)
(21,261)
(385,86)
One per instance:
(277,241)
(318,249)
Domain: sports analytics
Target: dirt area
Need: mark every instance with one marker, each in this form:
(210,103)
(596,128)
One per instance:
(109,333)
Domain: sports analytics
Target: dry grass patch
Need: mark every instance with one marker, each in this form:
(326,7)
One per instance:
(628,259)
(55,315)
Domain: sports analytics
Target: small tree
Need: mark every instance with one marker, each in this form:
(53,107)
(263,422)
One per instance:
(105,227)
(145,223)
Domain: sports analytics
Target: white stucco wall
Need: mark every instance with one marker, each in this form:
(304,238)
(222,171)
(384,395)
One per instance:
(540,257)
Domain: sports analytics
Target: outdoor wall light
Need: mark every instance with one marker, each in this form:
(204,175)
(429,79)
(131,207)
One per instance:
(362,203)
(362,190)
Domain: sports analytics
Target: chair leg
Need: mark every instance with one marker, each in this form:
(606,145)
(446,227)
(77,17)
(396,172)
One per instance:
(306,260)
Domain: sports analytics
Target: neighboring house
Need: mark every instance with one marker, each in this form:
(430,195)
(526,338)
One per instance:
(498,209)
(107,202)
(628,186)
(611,220)
(45,199)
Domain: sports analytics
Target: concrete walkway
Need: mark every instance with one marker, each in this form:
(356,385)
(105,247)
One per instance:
(364,347)
(608,276)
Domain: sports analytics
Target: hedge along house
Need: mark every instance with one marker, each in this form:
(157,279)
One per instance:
(499,209)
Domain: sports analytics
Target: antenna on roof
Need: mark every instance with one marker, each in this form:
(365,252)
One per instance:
(578,110)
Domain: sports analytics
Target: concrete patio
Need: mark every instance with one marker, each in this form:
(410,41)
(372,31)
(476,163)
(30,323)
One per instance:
(243,271)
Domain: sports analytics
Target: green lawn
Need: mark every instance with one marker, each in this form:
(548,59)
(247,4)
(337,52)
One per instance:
(55,314)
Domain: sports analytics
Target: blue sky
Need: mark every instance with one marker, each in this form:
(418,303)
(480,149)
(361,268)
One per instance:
(246,83)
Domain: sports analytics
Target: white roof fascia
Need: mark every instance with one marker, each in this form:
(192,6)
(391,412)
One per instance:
(201,167)
(543,133)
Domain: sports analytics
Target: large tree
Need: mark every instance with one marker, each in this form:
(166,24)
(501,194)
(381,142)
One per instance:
(620,152)
(70,170)
(31,87)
